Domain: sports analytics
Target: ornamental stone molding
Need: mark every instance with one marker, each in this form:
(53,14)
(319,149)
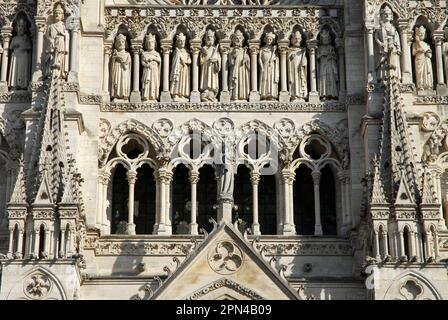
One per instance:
(196,20)
(305,249)
(225,283)
(15,97)
(225,107)
(140,248)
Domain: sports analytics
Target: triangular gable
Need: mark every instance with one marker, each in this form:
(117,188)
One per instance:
(225,260)
(44,194)
(404,196)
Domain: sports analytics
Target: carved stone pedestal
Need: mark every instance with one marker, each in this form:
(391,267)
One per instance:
(225,96)
(165,97)
(195,97)
(442,90)
(3,87)
(254,96)
(284,97)
(314,97)
(72,77)
(135,97)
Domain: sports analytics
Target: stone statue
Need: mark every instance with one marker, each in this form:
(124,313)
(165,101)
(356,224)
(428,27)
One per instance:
(20,63)
(445,54)
(389,46)
(270,70)
(180,71)
(227,180)
(58,39)
(210,61)
(297,69)
(121,70)
(151,61)
(423,60)
(239,69)
(328,67)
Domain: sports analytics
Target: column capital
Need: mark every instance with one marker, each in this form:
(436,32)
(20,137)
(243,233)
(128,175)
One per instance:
(225,44)
(104,178)
(194,176)
(108,48)
(370,28)
(288,176)
(166,46)
(403,24)
(136,48)
(312,44)
(164,175)
(439,37)
(131,176)
(255,177)
(316,177)
(339,43)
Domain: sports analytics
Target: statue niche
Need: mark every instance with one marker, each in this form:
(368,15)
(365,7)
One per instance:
(151,61)
(388,40)
(210,61)
(422,53)
(58,40)
(270,70)
(180,71)
(20,63)
(121,70)
(327,67)
(239,69)
(297,69)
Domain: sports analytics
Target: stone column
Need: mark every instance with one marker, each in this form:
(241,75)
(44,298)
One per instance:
(317,224)
(195,95)
(376,246)
(11,241)
(401,240)
(194,179)
(166,46)
(288,178)
(412,247)
(103,184)
(106,67)
(254,47)
(6,33)
(406,62)
(225,49)
(62,252)
(135,94)
(164,176)
(19,253)
(47,243)
(283,48)
(38,65)
(255,180)
(74,51)
(371,73)
(132,179)
(341,64)
(439,37)
(314,95)
(385,247)
(36,242)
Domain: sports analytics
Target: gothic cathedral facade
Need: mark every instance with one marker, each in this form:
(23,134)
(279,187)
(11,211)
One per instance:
(224,149)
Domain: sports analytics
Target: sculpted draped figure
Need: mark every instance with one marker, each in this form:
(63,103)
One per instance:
(121,70)
(151,61)
(58,40)
(210,60)
(180,71)
(423,60)
(297,69)
(388,40)
(239,69)
(20,63)
(328,67)
(270,70)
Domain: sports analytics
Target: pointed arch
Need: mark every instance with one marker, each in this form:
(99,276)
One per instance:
(54,281)
(334,136)
(394,289)
(126,127)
